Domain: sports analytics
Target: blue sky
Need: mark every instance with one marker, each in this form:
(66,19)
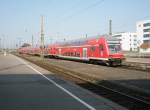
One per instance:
(69,19)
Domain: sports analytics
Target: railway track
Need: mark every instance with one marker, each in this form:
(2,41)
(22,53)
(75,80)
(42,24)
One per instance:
(126,65)
(132,100)
(139,67)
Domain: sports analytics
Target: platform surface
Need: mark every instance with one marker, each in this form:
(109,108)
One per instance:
(25,86)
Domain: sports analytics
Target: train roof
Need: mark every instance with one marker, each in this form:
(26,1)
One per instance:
(83,41)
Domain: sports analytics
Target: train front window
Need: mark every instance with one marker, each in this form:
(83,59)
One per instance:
(114,48)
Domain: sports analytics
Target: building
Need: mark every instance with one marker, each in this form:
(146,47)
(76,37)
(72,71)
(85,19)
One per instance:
(143,35)
(128,40)
(145,48)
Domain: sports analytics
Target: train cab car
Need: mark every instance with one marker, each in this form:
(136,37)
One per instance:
(105,49)
(115,54)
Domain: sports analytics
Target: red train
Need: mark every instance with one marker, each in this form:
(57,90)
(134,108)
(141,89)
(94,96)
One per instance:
(103,49)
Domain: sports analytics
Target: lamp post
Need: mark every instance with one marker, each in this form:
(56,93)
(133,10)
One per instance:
(3,43)
(0,44)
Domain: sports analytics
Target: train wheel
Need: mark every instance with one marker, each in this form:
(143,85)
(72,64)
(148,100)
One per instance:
(91,61)
(112,64)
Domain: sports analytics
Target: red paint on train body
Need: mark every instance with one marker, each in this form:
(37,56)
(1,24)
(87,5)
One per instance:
(101,49)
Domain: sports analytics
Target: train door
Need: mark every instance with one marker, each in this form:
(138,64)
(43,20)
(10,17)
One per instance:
(84,52)
(59,52)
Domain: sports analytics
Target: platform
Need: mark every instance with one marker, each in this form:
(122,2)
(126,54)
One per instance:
(25,86)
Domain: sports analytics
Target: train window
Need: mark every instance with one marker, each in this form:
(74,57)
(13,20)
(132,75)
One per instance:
(101,47)
(114,48)
(93,48)
(68,53)
(78,54)
(71,53)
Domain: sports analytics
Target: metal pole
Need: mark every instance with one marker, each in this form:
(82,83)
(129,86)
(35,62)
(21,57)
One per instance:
(110,27)
(0,44)
(3,43)
(32,41)
(42,36)
(86,36)
(4,49)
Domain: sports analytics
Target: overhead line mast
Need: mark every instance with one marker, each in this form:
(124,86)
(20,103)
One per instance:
(32,41)
(42,36)
(110,27)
